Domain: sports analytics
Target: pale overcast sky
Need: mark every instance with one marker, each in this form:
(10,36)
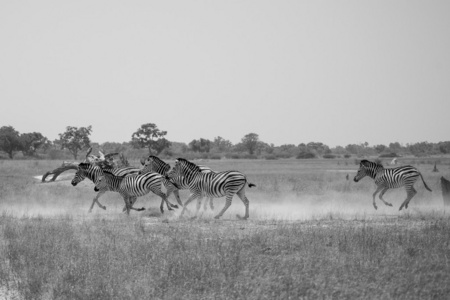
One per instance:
(337,72)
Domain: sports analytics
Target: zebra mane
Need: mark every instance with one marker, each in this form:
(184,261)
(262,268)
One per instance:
(166,167)
(108,172)
(189,165)
(367,163)
(84,165)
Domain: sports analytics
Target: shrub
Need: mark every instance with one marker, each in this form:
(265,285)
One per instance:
(329,156)
(271,157)
(347,155)
(305,155)
(392,154)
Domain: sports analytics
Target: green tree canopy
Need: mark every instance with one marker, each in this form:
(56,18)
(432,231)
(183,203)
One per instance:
(31,142)
(149,136)
(201,145)
(75,139)
(10,140)
(250,142)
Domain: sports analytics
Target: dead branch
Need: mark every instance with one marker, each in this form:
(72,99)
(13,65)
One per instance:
(56,172)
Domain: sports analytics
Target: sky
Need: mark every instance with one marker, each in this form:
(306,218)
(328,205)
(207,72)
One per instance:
(336,72)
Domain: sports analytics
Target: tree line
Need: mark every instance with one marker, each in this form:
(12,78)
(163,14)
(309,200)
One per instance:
(149,139)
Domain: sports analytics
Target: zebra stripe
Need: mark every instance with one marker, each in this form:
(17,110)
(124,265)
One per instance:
(212,184)
(94,172)
(155,164)
(133,186)
(390,178)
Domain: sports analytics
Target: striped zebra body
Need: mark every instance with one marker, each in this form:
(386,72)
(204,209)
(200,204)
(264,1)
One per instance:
(133,186)
(155,164)
(390,178)
(213,184)
(94,172)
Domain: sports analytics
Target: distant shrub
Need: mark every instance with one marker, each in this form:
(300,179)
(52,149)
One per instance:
(232,156)
(249,156)
(347,155)
(392,154)
(283,155)
(270,157)
(306,155)
(329,156)
(215,156)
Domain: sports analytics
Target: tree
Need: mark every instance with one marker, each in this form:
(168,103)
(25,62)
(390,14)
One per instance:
(31,142)
(75,139)
(221,145)
(10,140)
(379,148)
(149,136)
(250,142)
(201,145)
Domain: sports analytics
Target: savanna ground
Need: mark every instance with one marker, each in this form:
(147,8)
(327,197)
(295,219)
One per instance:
(311,234)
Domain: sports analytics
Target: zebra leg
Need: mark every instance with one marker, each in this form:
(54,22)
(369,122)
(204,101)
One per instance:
(409,194)
(192,197)
(227,204)
(211,203)
(374,194)
(241,195)
(95,200)
(205,204)
(177,195)
(381,197)
(199,204)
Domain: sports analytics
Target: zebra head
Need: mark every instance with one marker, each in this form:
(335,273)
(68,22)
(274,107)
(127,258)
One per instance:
(183,167)
(367,168)
(80,175)
(154,164)
(102,181)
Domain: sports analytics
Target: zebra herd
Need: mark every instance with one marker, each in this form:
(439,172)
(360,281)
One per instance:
(131,183)
(202,182)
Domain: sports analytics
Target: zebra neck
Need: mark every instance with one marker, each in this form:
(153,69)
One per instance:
(375,170)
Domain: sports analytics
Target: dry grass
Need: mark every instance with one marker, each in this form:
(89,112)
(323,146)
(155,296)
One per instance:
(311,234)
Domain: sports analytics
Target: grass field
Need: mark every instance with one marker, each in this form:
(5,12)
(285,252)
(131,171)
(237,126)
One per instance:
(311,234)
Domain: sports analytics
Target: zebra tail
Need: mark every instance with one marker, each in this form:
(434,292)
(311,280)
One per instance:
(251,185)
(426,186)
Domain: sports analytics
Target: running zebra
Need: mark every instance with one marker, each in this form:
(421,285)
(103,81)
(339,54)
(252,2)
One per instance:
(155,164)
(133,186)
(390,178)
(94,172)
(211,184)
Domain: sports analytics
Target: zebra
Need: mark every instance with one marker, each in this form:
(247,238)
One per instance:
(390,178)
(211,184)
(94,172)
(155,164)
(133,186)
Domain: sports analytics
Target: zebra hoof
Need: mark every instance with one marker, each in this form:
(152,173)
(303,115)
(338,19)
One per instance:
(104,207)
(217,217)
(241,218)
(388,204)
(174,206)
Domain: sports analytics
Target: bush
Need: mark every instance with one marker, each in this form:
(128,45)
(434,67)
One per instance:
(329,156)
(347,155)
(270,157)
(306,155)
(392,154)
